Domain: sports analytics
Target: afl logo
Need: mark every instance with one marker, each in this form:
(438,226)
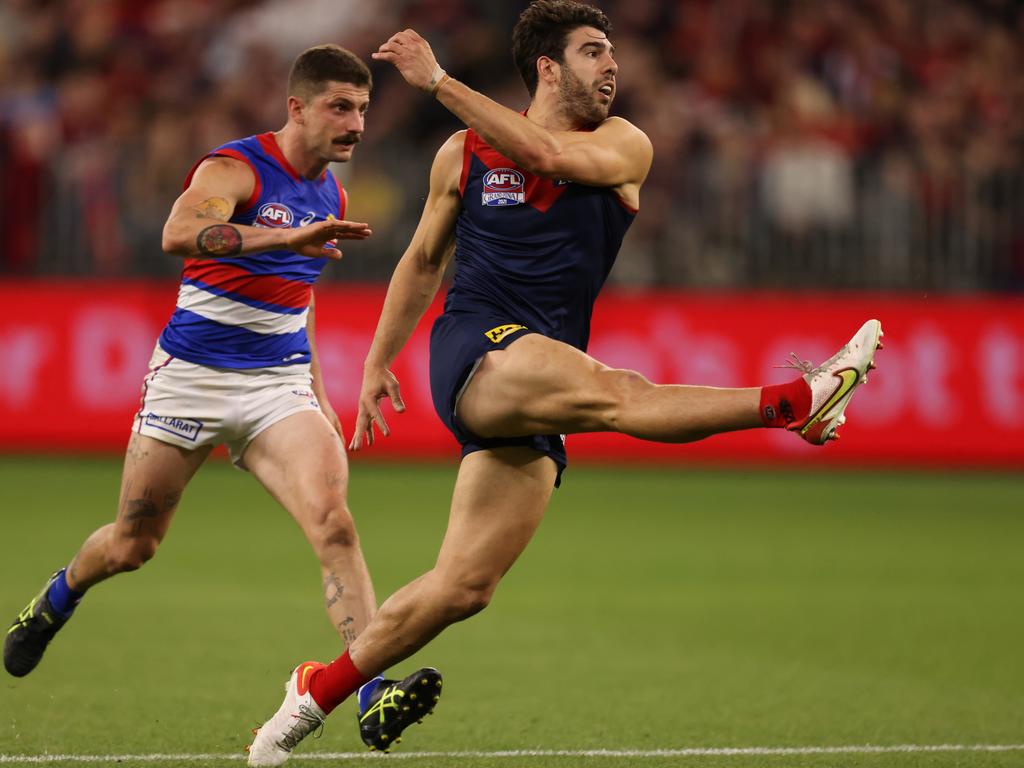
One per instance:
(273,215)
(503,186)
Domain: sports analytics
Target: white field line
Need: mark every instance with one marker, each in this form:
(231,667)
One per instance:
(864,749)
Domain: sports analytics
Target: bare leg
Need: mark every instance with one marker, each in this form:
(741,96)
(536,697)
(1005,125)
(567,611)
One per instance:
(541,386)
(499,501)
(301,461)
(155,475)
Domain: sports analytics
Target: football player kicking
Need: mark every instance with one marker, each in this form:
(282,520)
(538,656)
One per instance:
(533,207)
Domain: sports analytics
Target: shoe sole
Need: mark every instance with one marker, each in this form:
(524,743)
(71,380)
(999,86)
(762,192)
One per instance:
(420,699)
(822,427)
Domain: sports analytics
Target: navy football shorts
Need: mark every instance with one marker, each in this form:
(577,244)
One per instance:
(457,342)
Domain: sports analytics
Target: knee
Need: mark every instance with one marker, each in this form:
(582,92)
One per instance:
(620,390)
(332,530)
(464,598)
(130,554)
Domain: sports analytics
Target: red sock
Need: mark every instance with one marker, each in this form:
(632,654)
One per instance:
(785,403)
(332,684)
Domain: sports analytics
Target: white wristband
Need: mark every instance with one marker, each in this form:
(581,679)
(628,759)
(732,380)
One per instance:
(435,79)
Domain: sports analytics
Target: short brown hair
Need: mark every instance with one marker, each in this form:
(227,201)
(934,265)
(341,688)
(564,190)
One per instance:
(317,66)
(542,30)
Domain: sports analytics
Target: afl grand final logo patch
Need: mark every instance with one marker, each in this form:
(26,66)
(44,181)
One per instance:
(503,186)
(273,215)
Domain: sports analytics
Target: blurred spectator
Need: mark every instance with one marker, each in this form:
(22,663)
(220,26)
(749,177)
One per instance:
(875,143)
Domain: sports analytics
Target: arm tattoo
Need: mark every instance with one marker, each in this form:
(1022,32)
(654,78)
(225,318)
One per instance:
(213,208)
(219,240)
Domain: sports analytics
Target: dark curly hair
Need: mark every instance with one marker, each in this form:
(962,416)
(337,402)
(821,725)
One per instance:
(542,30)
(317,66)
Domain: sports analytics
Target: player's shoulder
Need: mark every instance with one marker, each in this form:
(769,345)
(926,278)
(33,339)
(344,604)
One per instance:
(454,145)
(449,158)
(222,164)
(225,174)
(621,128)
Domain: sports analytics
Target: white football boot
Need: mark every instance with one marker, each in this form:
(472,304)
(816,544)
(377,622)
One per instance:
(833,383)
(297,717)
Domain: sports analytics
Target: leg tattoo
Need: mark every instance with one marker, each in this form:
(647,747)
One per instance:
(332,581)
(348,634)
(140,511)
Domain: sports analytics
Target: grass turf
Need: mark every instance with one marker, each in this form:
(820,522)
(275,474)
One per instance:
(655,610)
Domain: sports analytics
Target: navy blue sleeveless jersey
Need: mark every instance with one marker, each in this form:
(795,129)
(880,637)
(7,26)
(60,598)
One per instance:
(250,311)
(533,250)
(531,255)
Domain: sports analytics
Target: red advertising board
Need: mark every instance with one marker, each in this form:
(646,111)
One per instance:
(949,389)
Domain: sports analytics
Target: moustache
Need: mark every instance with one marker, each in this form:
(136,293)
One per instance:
(349,138)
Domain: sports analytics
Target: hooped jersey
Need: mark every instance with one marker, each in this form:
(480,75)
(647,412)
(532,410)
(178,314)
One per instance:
(250,311)
(529,250)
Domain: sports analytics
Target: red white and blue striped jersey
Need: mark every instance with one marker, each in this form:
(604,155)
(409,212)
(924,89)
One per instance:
(250,311)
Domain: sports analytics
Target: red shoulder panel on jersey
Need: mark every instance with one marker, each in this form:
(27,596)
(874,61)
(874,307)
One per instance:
(234,154)
(541,193)
(342,197)
(467,159)
(269,145)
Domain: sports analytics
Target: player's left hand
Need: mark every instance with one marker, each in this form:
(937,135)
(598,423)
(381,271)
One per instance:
(378,383)
(411,55)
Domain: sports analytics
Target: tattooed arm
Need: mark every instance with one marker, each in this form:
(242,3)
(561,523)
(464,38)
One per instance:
(198,226)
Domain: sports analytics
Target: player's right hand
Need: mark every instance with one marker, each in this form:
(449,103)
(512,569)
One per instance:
(320,240)
(378,383)
(412,56)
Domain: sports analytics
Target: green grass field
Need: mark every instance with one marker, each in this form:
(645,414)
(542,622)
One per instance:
(656,610)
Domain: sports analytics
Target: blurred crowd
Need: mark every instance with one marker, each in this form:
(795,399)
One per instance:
(798,143)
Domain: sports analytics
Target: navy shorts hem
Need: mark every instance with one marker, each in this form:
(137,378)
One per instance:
(457,342)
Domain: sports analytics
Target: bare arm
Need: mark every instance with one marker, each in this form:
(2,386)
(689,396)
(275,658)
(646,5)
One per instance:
(615,154)
(319,390)
(412,289)
(198,227)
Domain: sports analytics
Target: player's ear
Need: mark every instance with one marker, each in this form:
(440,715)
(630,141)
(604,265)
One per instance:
(296,110)
(548,70)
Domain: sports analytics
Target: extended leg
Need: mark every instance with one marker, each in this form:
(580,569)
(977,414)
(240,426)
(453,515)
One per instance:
(498,503)
(301,462)
(499,500)
(155,474)
(541,386)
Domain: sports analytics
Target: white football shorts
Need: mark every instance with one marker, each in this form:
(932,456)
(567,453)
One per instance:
(191,405)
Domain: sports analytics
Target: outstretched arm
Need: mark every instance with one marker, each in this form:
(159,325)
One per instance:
(614,154)
(413,287)
(198,227)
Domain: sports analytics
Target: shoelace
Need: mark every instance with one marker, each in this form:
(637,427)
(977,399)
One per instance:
(26,616)
(305,720)
(806,366)
(797,364)
(387,699)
